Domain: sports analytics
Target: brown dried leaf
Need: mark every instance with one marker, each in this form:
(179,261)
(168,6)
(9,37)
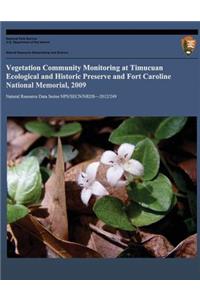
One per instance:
(13,131)
(190,168)
(55,200)
(106,129)
(61,248)
(25,244)
(103,246)
(51,143)
(96,236)
(21,144)
(189,147)
(185,249)
(88,152)
(108,244)
(157,245)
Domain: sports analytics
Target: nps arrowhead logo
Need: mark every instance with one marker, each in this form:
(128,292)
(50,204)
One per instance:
(188,44)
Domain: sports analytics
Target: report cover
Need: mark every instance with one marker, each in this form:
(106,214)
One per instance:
(99,125)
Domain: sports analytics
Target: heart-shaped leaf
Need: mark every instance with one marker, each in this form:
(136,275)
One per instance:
(156,195)
(40,153)
(112,212)
(16,212)
(24,182)
(69,152)
(40,127)
(169,127)
(135,129)
(68,129)
(147,153)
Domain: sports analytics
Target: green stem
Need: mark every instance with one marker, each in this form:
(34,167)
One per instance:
(166,165)
(180,195)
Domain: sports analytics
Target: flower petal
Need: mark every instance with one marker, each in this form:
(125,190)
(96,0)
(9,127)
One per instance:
(98,189)
(82,177)
(134,167)
(108,158)
(91,170)
(126,150)
(85,195)
(121,183)
(114,174)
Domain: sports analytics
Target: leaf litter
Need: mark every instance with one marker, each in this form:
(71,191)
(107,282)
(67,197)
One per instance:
(61,226)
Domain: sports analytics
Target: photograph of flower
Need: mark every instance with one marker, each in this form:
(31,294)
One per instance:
(102,187)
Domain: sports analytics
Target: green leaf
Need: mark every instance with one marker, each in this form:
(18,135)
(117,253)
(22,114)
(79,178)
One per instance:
(174,201)
(141,216)
(156,195)
(40,127)
(192,202)
(45,173)
(191,225)
(68,129)
(169,127)
(112,212)
(16,212)
(134,130)
(179,179)
(69,152)
(24,182)
(40,153)
(47,130)
(147,153)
